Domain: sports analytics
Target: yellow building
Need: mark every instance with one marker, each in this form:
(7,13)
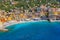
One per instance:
(55,13)
(9,18)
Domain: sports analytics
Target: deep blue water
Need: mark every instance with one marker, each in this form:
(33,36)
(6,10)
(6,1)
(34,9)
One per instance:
(32,31)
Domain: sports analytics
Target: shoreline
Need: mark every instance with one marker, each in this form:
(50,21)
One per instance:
(6,24)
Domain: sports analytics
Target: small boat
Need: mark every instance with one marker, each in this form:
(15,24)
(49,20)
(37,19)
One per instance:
(51,20)
(4,30)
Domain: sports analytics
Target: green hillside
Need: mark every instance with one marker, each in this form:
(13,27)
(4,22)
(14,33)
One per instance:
(8,4)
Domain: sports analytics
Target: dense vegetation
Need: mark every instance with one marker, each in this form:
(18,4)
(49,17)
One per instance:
(8,4)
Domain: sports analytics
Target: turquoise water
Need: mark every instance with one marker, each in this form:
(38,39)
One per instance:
(32,31)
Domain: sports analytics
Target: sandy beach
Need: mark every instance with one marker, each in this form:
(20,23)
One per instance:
(13,22)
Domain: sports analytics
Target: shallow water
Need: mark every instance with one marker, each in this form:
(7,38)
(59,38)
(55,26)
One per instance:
(32,31)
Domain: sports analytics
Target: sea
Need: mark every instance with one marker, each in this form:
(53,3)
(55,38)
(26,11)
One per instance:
(42,30)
